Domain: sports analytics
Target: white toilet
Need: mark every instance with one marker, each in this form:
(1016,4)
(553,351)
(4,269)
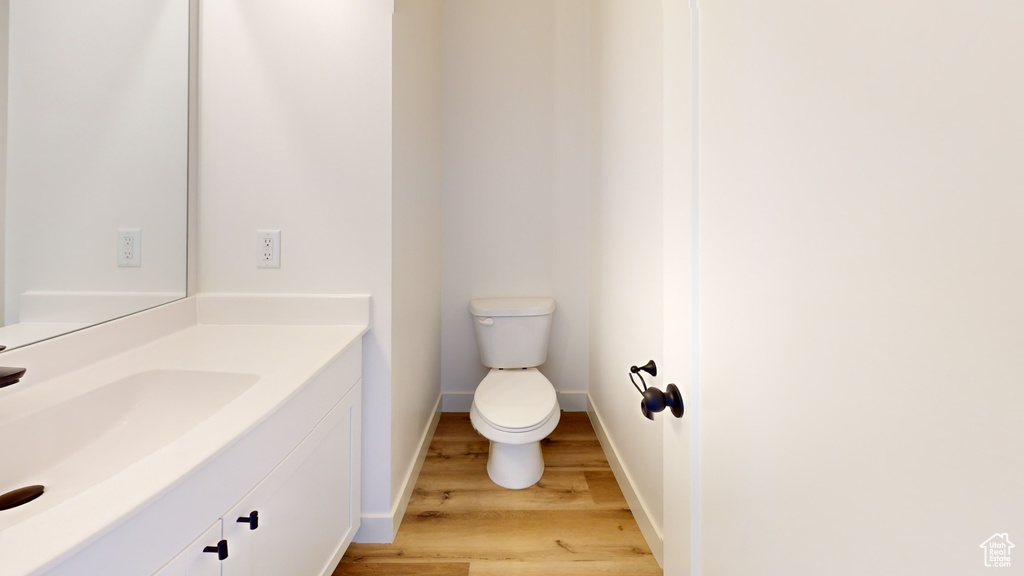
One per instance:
(515,406)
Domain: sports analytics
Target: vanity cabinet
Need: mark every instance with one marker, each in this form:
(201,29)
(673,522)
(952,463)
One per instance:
(304,510)
(201,412)
(298,469)
(192,561)
(299,519)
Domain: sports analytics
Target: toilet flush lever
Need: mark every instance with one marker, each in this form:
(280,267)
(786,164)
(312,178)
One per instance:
(655,400)
(486,321)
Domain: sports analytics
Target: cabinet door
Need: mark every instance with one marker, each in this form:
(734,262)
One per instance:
(307,508)
(193,561)
(175,567)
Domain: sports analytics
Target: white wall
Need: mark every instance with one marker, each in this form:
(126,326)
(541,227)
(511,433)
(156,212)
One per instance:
(96,141)
(627,235)
(416,225)
(568,364)
(861,284)
(515,180)
(295,134)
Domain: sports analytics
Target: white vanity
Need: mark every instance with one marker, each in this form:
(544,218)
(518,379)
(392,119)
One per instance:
(215,435)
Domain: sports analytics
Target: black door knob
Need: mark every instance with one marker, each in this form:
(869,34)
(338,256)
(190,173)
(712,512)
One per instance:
(655,401)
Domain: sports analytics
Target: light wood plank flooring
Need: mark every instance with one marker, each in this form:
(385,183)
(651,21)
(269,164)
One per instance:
(574,522)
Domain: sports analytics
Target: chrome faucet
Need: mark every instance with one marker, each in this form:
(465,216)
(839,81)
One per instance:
(10,376)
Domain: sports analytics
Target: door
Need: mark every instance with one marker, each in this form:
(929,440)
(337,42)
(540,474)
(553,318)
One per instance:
(861,278)
(303,515)
(193,561)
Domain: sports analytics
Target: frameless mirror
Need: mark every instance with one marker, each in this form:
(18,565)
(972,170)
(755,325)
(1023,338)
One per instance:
(95,147)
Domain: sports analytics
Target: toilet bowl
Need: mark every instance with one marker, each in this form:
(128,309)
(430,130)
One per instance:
(515,410)
(514,406)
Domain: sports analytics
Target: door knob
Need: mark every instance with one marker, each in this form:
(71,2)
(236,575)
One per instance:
(655,400)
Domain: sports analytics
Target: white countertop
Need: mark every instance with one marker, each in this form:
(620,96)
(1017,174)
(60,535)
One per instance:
(284,357)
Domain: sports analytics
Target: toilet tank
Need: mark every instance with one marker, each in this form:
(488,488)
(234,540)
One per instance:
(512,332)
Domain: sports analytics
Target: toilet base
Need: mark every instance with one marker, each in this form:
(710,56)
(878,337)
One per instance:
(515,466)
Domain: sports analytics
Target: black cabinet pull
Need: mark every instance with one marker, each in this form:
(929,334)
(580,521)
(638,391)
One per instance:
(221,550)
(253,520)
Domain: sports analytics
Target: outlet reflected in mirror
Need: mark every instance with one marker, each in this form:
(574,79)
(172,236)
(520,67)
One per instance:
(95,141)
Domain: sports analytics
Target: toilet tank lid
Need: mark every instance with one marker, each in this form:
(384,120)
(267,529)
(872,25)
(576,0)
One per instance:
(511,306)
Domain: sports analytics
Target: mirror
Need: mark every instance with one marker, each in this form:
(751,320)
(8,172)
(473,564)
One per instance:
(95,160)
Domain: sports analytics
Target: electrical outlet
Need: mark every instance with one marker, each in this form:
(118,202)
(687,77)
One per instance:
(129,247)
(268,248)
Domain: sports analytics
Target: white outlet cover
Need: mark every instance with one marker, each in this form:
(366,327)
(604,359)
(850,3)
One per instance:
(268,248)
(129,247)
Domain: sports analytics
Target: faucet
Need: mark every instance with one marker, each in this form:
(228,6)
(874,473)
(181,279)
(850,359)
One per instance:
(10,376)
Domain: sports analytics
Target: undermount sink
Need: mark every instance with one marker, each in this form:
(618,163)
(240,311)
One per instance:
(78,442)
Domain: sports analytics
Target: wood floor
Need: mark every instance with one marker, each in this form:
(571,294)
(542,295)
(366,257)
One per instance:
(574,522)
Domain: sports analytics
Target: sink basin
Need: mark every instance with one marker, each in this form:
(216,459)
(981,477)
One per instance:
(79,442)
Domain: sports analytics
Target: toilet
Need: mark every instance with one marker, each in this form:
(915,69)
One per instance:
(514,406)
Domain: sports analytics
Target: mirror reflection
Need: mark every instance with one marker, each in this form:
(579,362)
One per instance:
(95,158)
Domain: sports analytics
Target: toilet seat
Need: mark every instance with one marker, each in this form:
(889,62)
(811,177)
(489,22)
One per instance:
(555,413)
(515,401)
(515,409)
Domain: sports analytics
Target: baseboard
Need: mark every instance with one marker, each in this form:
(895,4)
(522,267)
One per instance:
(462,401)
(653,536)
(456,401)
(573,401)
(382,528)
(376,529)
(414,470)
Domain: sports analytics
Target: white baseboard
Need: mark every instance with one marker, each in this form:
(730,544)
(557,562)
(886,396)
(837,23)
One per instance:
(376,529)
(462,401)
(382,528)
(653,536)
(414,470)
(573,401)
(456,401)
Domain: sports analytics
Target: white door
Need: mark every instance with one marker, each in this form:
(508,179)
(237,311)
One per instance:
(193,561)
(275,530)
(861,286)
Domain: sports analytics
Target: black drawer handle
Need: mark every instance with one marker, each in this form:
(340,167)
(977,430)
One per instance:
(221,550)
(253,520)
